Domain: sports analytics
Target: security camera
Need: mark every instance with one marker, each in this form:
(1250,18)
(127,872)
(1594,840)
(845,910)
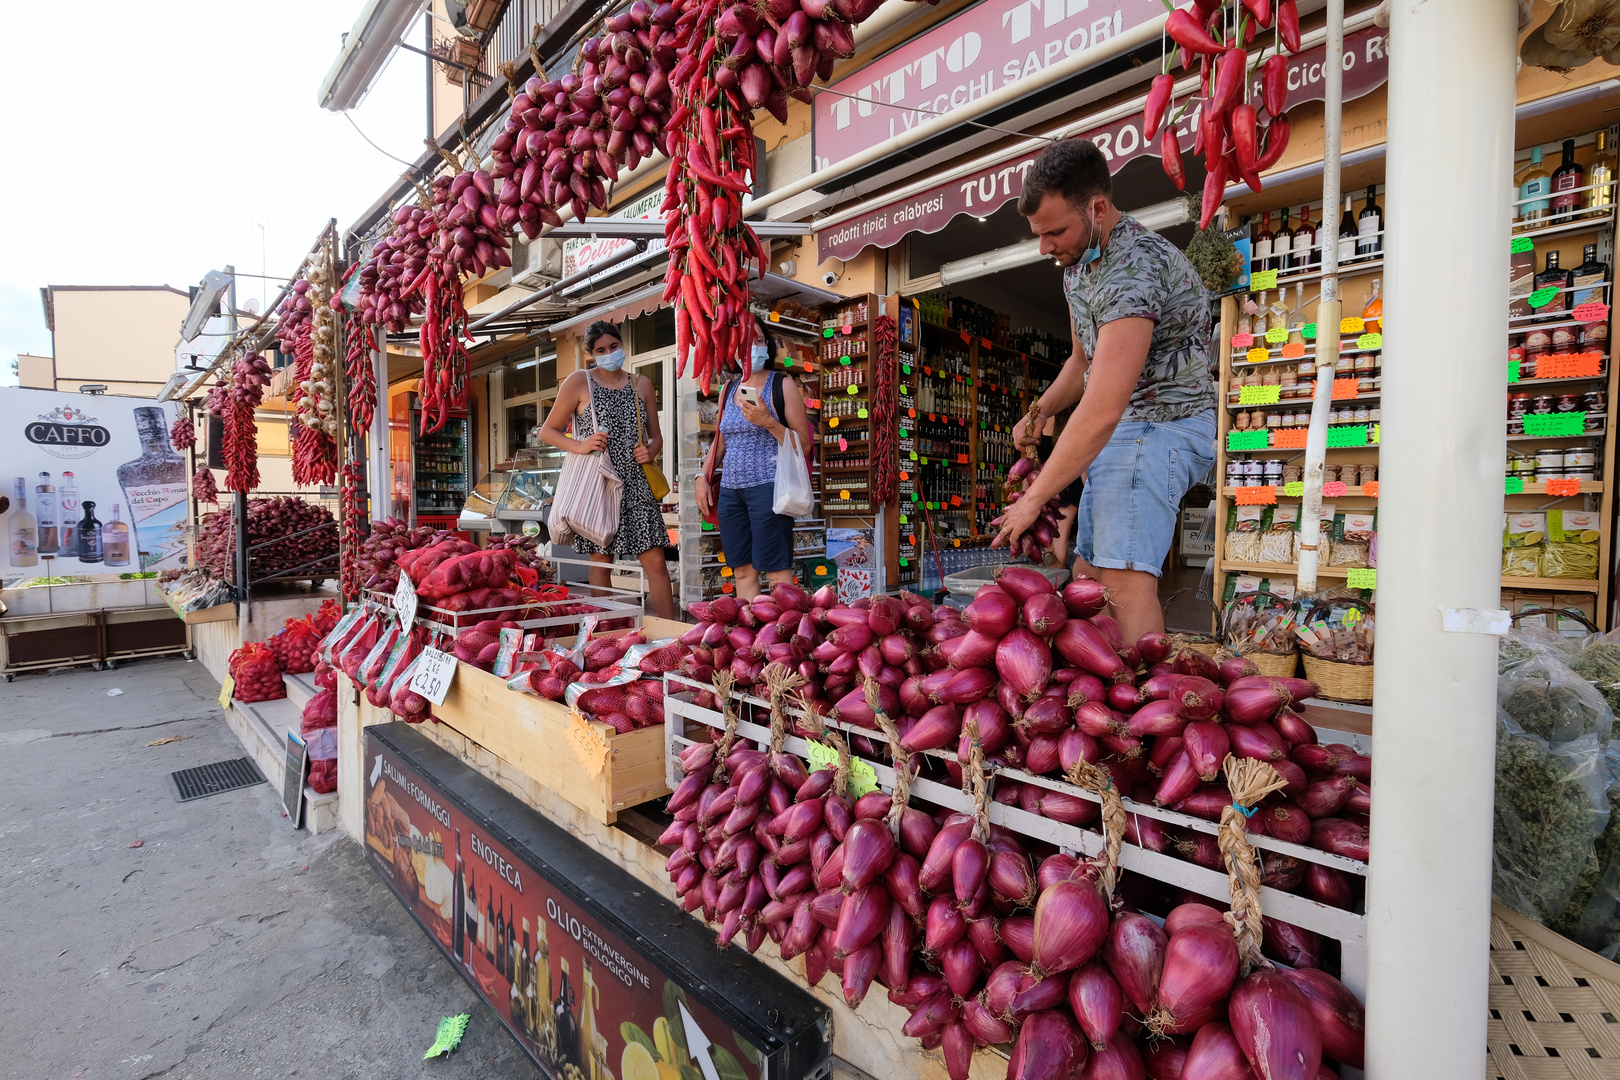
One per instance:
(829,278)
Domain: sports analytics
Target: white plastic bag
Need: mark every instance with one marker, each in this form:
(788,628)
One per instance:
(588,496)
(793,496)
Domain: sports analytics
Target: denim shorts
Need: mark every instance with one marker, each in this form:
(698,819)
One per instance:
(751,533)
(1134,489)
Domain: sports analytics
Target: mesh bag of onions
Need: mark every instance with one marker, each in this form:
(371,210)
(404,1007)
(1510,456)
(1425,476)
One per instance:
(257,673)
(294,645)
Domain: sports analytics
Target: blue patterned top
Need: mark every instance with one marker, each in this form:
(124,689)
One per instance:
(750,450)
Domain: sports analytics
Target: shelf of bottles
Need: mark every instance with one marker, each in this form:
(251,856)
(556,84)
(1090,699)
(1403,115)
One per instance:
(1562,251)
(441,470)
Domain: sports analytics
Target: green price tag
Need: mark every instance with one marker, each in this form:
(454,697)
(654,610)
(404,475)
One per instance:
(904,433)
(904,520)
(1276,335)
(970,382)
(1370,341)
(1513,485)
(1348,435)
(707,527)
(1542,297)
(787,361)
(1246,440)
(981,425)
(1308,331)
(1259,395)
(1554,425)
(853,390)
(844,360)
(905,562)
(1265,279)
(1294,487)
(914,497)
(1513,371)
(1523,244)
(862,778)
(451,1029)
(1362,578)
(905,369)
(861,414)
(828,332)
(914,455)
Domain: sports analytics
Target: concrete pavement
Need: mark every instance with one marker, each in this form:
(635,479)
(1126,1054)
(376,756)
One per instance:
(225,944)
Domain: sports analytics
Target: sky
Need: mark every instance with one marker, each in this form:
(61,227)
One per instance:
(154,142)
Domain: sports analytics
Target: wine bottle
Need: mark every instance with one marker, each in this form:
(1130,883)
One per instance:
(1565,179)
(1535,183)
(1600,173)
(1347,234)
(89,534)
(1553,277)
(1282,245)
(1370,226)
(1305,255)
(45,514)
(1262,244)
(24,536)
(115,540)
(1586,283)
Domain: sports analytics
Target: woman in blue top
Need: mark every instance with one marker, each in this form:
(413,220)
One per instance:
(756,540)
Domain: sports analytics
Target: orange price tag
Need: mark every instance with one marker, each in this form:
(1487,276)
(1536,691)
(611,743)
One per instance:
(1334,488)
(1584,365)
(1563,487)
(1255,496)
(956,500)
(1293,350)
(986,342)
(1370,489)
(961,459)
(966,337)
(905,476)
(727,587)
(911,538)
(912,413)
(927,370)
(1344,388)
(1289,438)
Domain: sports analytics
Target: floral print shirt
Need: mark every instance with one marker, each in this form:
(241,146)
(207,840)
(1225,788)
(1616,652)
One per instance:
(1142,275)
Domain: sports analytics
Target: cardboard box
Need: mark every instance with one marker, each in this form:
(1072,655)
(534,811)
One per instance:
(1193,546)
(1585,603)
(1523,600)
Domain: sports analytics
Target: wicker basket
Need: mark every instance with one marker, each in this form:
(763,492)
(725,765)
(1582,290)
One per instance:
(1277,665)
(1340,681)
(1552,1005)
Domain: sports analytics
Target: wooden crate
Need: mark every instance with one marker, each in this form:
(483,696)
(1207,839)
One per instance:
(1348,928)
(535,736)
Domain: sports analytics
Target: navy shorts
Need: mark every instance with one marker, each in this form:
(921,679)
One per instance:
(751,533)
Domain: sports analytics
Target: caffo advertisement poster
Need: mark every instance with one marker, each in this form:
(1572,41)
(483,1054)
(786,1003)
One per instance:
(94,482)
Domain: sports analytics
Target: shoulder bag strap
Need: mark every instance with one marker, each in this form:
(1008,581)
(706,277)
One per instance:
(708,462)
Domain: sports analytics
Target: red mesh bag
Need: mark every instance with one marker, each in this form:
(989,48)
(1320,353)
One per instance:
(323,775)
(294,645)
(320,712)
(257,673)
(327,617)
(325,676)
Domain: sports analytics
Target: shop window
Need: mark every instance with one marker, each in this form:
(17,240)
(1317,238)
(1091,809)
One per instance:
(520,420)
(521,380)
(655,330)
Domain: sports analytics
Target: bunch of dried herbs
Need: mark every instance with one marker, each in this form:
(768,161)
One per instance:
(1599,664)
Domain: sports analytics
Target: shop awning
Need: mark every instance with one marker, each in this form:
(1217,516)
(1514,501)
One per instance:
(649,297)
(982,186)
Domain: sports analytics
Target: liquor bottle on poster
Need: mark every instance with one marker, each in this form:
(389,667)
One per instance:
(24,536)
(115,540)
(520,976)
(1565,179)
(1600,174)
(505,958)
(489,926)
(45,514)
(567,1026)
(1370,226)
(89,534)
(540,984)
(67,502)
(154,486)
(458,906)
(475,923)
(590,998)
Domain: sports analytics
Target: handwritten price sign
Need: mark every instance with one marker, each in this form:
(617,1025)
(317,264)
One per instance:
(405,601)
(434,674)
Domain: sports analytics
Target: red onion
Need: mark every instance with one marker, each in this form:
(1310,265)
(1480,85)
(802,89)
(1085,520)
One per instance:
(1180,780)
(1086,688)
(956,1046)
(1156,718)
(1011,879)
(1273,1024)
(1002,986)
(1085,597)
(868,848)
(1036,993)
(1069,809)
(1071,922)
(962,966)
(1083,645)
(1097,1001)
(1192,913)
(790,597)
(901,881)
(969,866)
(975,649)
(1327,796)
(1135,952)
(1238,667)
(1024,582)
(945,924)
(992,613)
(1297,780)
(1340,837)
(982,932)
(1259,741)
(984,1025)
(1145,832)
(1360,801)
(1195,697)
(1047,716)
(1118,1060)
(936,868)
(995,728)
(1189,661)
(938,727)
(1126,698)
(884,616)
(1207,802)
(1096,719)
(1045,614)
(967,686)
(1018,932)
(917,832)
(1200,963)
(1074,746)
(1215,1055)
(1050,1047)
(1284,822)
(922,987)
(1154,646)
(1340,1018)
(1166,1060)
(1207,745)
(1291,945)
(931,1015)
(860,967)
(1292,727)
(1041,755)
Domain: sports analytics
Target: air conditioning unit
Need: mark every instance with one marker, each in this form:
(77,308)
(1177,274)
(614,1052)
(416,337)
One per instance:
(537,262)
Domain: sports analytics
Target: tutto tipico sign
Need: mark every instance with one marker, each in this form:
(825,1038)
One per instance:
(1366,67)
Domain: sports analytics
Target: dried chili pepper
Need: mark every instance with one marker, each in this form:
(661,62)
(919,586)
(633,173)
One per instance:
(1276,142)
(1170,152)
(1244,144)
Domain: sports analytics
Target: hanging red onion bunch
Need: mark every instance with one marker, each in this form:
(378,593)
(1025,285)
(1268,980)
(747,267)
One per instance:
(182,433)
(1038,544)
(470,234)
(389,290)
(635,58)
(203,488)
(294,316)
(553,152)
(1239,138)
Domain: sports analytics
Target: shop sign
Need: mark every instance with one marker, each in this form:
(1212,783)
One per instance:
(1366,67)
(582,253)
(988,46)
(567,981)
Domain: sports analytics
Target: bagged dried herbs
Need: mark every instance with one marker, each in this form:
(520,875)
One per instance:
(1550,807)
(1592,916)
(1550,701)
(1599,664)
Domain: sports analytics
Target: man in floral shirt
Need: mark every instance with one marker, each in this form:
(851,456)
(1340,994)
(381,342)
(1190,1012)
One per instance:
(1143,431)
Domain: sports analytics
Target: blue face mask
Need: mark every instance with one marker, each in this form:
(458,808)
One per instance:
(612,361)
(761,356)
(1094,252)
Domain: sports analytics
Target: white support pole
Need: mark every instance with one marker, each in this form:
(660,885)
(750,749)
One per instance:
(1451,99)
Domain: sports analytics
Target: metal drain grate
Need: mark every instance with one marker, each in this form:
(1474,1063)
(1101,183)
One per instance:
(205,780)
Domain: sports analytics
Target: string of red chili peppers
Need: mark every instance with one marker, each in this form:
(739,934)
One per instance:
(883,424)
(444,356)
(358,374)
(355,528)
(1229,132)
(711,144)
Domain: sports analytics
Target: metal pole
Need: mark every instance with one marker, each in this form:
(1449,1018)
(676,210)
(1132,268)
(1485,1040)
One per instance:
(1327,309)
(1440,517)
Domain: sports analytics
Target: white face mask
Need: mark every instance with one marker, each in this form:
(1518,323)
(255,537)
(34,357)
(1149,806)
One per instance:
(762,356)
(612,361)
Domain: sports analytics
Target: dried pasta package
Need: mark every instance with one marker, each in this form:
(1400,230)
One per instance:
(1324,538)
(1243,530)
(1277,540)
(1522,561)
(1352,539)
(1572,544)
(1524,530)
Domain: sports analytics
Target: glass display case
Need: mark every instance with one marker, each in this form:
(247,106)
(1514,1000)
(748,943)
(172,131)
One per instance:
(530,483)
(478,512)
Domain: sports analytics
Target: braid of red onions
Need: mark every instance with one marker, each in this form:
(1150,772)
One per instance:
(884,427)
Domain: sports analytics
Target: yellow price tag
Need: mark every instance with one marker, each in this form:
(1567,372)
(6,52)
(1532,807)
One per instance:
(721,557)
(1370,341)
(588,746)
(844,494)
(226,689)
(833,422)
(956,543)
(1276,335)
(725,571)
(776,316)
(861,414)
(1265,279)
(1352,325)
(1257,356)
(822,756)
(821,571)
(862,778)
(1362,579)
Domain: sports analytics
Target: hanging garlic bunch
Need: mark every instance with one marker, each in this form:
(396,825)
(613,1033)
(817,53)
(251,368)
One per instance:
(318,388)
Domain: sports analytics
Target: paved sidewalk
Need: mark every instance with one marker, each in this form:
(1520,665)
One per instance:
(226,944)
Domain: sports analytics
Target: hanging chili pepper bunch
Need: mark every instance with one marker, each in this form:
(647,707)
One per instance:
(1236,142)
(884,424)
(386,293)
(358,376)
(441,335)
(250,374)
(470,233)
(711,145)
(314,451)
(182,433)
(355,528)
